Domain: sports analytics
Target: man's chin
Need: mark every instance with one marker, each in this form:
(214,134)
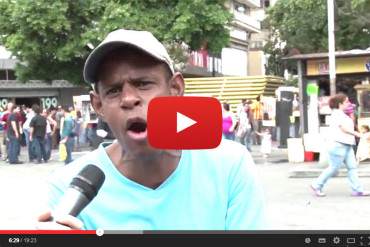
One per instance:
(139,147)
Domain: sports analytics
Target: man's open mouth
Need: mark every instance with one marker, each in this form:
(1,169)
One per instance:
(137,128)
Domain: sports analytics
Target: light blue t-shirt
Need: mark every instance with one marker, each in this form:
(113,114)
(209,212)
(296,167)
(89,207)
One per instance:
(214,189)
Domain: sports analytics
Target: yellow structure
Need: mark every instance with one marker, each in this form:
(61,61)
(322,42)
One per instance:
(256,65)
(344,65)
(233,89)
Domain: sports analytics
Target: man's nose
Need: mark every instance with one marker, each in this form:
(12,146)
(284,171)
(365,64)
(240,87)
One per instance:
(129,97)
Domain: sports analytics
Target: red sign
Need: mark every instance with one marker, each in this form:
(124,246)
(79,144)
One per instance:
(184,123)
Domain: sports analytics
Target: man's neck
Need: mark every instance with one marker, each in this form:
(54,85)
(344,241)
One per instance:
(150,170)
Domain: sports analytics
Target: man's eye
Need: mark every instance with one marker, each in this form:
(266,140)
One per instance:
(143,84)
(113,91)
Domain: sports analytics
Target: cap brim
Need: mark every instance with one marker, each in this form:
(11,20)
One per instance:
(94,59)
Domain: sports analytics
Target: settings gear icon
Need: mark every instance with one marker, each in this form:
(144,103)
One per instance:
(336,240)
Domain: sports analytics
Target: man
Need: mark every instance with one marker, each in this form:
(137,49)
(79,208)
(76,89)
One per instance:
(257,110)
(2,142)
(58,116)
(50,128)
(37,134)
(26,130)
(244,131)
(147,188)
(240,108)
(67,135)
(4,122)
(14,134)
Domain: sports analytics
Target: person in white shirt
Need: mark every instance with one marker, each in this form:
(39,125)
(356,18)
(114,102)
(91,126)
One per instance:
(244,130)
(342,140)
(26,130)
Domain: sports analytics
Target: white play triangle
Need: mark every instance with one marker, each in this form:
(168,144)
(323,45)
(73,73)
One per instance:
(183,122)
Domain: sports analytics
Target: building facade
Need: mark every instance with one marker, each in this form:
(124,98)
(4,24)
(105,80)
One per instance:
(234,60)
(257,41)
(58,92)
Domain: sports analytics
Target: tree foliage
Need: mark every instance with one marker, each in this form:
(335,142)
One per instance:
(302,25)
(52,37)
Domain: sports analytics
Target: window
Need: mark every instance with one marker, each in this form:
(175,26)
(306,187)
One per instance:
(7,75)
(257,44)
(266,3)
(2,75)
(241,8)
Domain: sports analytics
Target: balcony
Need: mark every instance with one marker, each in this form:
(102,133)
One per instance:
(247,22)
(201,64)
(239,34)
(251,3)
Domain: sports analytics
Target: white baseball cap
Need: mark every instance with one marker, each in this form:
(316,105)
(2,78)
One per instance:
(142,40)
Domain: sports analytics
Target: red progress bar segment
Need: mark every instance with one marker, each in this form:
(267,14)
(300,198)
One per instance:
(49,232)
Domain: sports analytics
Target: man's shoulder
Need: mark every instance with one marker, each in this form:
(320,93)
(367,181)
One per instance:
(254,104)
(228,147)
(227,154)
(37,117)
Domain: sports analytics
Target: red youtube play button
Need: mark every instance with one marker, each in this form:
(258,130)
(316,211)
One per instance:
(184,123)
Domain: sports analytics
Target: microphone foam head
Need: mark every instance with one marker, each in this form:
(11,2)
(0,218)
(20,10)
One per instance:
(89,180)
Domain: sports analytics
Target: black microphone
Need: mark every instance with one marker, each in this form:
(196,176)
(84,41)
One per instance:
(80,192)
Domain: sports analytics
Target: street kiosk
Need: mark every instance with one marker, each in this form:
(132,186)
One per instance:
(353,74)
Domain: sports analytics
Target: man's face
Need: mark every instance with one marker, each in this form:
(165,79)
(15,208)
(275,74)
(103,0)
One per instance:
(127,83)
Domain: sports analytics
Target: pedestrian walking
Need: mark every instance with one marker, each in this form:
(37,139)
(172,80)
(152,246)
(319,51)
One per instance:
(244,130)
(257,111)
(340,148)
(228,122)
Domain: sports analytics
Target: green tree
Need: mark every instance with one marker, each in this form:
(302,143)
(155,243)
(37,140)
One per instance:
(302,25)
(52,37)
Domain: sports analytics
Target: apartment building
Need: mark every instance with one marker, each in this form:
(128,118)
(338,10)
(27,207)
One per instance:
(258,41)
(234,59)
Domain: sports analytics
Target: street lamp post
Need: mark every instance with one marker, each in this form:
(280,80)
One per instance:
(331,37)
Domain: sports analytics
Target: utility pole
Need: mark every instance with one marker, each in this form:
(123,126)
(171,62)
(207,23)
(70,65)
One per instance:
(331,37)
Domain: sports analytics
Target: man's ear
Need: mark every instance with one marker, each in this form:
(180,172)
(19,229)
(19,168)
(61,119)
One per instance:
(177,85)
(96,103)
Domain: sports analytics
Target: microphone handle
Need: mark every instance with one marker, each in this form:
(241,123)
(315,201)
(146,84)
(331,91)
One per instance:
(71,203)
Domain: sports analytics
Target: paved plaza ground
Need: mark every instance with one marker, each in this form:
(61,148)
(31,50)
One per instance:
(291,204)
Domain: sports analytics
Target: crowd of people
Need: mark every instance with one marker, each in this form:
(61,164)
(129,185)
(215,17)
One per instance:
(39,130)
(245,126)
